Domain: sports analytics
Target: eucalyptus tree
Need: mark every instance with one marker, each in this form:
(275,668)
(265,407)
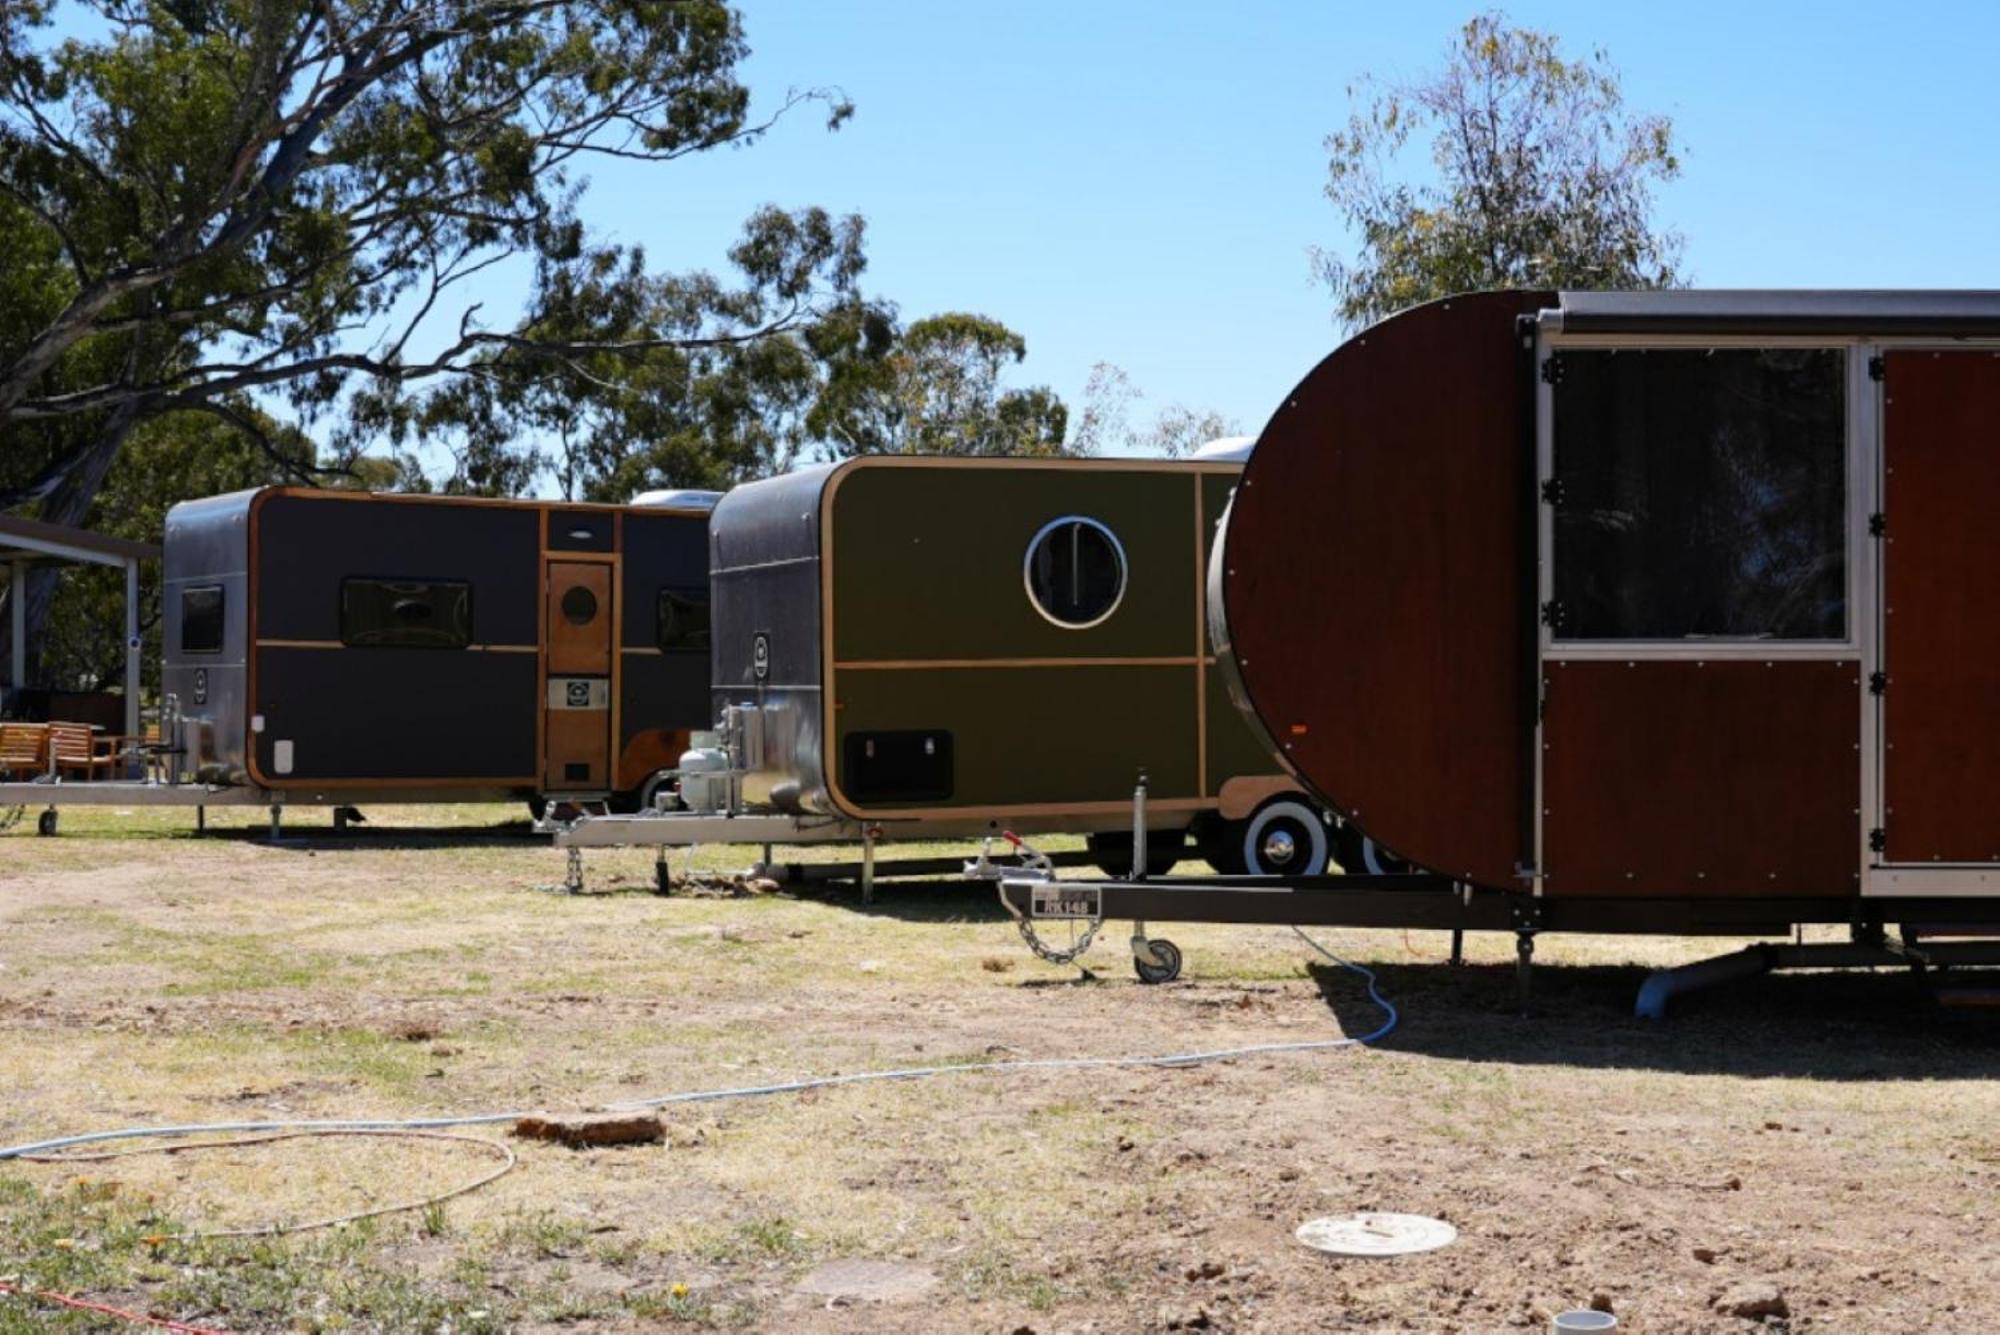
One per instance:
(1535,175)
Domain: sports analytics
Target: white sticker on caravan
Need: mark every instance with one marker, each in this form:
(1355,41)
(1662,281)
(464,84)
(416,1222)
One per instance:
(281,756)
(579,693)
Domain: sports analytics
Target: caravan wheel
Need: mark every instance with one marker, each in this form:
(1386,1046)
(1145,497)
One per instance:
(1221,845)
(1361,855)
(1111,850)
(1286,836)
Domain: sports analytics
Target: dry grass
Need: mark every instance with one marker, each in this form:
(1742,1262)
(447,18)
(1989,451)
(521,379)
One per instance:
(150,977)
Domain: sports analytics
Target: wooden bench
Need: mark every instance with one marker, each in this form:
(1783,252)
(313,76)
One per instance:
(24,750)
(75,749)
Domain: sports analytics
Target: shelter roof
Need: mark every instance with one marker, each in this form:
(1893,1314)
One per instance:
(34,540)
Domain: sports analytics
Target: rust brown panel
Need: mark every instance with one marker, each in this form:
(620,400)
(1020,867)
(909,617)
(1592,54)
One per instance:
(577,737)
(1941,573)
(1374,587)
(647,752)
(579,644)
(578,616)
(1679,778)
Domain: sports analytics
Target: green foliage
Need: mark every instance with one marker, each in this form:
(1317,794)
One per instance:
(1105,421)
(167,460)
(936,389)
(227,198)
(1538,178)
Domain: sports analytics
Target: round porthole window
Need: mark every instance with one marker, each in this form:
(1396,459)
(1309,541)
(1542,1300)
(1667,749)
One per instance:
(1075,572)
(579,605)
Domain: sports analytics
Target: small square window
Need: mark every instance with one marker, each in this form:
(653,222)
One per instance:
(201,619)
(683,620)
(1700,495)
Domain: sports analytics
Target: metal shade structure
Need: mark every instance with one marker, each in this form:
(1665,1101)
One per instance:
(28,542)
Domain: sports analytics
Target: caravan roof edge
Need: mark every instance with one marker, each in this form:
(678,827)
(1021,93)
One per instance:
(1781,311)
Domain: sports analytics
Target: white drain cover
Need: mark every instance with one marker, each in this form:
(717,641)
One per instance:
(1376,1233)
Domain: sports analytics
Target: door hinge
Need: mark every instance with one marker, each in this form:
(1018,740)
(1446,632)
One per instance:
(1553,615)
(1878,524)
(1552,491)
(1877,368)
(1878,682)
(1878,840)
(1552,370)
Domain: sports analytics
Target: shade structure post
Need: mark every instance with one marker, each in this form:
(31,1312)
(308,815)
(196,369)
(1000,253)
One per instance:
(17,602)
(132,647)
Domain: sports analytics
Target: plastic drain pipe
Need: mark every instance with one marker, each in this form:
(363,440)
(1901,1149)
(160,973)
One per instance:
(1664,985)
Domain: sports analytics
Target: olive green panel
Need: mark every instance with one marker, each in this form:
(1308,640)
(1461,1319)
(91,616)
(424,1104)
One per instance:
(1235,750)
(1036,735)
(927,561)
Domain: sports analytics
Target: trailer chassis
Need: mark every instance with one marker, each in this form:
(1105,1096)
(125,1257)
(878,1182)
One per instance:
(1423,901)
(667,830)
(17,797)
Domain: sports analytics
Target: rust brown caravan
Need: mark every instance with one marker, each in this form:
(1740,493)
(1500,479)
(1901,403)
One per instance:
(1670,597)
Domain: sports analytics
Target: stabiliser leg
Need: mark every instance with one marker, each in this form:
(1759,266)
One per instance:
(1524,967)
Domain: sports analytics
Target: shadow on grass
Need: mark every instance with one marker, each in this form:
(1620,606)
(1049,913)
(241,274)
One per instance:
(929,899)
(1824,1026)
(324,838)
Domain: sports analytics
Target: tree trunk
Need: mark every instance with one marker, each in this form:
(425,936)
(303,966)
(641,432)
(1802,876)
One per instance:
(69,504)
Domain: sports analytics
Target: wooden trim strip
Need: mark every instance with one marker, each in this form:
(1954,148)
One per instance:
(1032,809)
(926,664)
(1200,649)
(336,644)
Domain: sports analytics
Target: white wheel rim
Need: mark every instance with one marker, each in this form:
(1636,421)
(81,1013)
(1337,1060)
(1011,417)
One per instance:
(1313,861)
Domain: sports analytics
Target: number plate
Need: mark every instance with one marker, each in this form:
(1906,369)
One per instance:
(1057,900)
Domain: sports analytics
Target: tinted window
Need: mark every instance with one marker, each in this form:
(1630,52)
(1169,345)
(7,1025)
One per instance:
(201,619)
(405,614)
(1701,494)
(1075,572)
(683,619)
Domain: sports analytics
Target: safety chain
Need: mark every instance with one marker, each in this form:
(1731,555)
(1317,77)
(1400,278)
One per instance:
(10,817)
(1050,953)
(573,876)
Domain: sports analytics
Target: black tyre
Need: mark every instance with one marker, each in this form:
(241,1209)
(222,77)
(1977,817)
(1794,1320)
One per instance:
(1169,967)
(45,824)
(1111,850)
(1221,845)
(1287,836)
(1361,856)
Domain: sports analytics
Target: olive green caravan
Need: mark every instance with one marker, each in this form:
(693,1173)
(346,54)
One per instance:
(980,644)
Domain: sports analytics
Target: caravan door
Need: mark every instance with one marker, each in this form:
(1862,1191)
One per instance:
(576,675)
(1939,824)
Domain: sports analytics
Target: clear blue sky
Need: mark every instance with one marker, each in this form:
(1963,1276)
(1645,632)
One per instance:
(1141,183)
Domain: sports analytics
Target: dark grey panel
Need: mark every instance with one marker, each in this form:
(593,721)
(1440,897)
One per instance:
(661,551)
(582,530)
(306,545)
(773,520)
(780,605)
(397,714)
(207,544)
(764,574)
(1778,312)
(664,691)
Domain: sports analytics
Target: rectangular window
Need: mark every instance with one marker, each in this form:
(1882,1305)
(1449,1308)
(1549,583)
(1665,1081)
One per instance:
(1700,494)
(683,619)
(405,614)
(201,619)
